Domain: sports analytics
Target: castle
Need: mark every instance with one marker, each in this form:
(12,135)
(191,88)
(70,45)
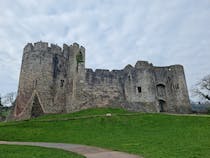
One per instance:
(55,80)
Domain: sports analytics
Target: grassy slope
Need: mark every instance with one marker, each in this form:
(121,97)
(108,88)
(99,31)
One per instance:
(150,135)
(13,151)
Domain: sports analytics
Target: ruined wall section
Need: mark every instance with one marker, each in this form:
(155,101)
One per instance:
(179,92)
(139,86)
(164,84)
(76,77)
(132,88)
(59,79)
(102,88)
(172,89)
(25,88)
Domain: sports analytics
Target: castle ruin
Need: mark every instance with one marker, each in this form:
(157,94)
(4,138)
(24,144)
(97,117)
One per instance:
(55,80)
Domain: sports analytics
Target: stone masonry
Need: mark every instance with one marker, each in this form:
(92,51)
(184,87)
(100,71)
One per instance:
(55,80)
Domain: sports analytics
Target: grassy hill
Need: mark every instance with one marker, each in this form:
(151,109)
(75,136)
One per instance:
(149,135)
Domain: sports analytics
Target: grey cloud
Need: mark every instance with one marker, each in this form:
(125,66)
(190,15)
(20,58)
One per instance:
(114,32)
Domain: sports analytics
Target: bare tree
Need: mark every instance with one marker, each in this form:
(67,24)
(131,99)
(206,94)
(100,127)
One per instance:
(0,102)
(9,98)
(202,88)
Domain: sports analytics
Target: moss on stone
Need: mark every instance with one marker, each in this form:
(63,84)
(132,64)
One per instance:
(79,58)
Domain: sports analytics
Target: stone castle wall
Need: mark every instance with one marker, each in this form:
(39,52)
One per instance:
(55,80)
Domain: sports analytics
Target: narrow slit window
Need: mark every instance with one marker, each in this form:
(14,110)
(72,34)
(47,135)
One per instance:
(61,84)
(139,89)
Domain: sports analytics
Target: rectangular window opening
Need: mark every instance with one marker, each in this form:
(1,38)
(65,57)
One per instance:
(139,89)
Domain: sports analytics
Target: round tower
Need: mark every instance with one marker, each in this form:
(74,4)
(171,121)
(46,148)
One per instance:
(39,79)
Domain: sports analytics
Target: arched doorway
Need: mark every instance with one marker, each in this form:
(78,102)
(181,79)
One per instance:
(36,108)
(162,105)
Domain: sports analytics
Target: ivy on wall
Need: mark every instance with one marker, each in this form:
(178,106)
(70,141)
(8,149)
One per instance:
(79,58)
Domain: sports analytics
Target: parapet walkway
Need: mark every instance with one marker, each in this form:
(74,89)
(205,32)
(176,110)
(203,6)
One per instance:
(87,151)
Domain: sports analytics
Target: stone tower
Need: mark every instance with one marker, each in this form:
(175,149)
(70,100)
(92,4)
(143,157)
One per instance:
(55,80)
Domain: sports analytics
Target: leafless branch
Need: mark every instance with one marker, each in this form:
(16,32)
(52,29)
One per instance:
(202,88)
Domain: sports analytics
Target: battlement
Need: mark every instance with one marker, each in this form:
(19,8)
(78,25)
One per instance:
(38,46)
(66,50)
(54,48)
(41,46)
(139,65)
(170,68)
(142,64)
(76,46)
(28,48)
(177,66)
(99,71)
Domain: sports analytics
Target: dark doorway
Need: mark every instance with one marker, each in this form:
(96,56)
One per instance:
(36,108)
(139,89)
(162,105)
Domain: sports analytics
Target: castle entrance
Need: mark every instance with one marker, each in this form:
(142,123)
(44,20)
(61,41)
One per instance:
(36,108)
(162,105)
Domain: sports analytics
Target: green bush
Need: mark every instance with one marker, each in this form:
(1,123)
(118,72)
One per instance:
(208,110)
(79,58)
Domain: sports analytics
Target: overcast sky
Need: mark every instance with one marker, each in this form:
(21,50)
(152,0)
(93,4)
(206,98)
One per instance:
(114,32)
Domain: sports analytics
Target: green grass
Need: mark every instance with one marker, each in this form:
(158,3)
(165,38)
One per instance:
(88,112)
(149,135)
(13,151)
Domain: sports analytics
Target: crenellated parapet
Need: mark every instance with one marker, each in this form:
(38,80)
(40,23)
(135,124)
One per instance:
(44,47)
(55,49)
(76,49)
(28,48)
(40,46)
(142,64)
(66,51)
